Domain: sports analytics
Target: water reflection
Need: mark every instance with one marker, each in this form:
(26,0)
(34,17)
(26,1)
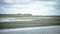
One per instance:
(15,19)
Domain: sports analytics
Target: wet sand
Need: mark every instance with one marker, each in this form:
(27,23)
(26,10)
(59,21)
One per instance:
(22,24)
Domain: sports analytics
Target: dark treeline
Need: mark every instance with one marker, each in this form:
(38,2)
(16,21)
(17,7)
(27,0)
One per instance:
(27,15)
(14,15)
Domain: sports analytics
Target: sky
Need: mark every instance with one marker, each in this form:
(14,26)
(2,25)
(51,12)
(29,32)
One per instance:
(35,7)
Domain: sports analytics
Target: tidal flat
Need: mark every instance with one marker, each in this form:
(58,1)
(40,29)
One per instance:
(22,22)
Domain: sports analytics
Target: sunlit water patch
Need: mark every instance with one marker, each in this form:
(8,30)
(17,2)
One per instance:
(15,19)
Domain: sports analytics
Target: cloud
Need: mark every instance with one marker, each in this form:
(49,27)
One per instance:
(21,1)
(8,2)
(47,0)
(18,1)
(35,7)
(2,1)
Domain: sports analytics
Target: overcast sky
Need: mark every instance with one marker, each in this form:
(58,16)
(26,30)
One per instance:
(35,7)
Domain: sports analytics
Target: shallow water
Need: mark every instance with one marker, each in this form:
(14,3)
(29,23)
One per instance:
(32,30)
(17,22)
(33,26)
(15,19)
(11,19)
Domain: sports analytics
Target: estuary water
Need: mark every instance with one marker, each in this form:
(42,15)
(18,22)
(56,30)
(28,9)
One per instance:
(12,19)
(32,30)
(16,19)
(30,25)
